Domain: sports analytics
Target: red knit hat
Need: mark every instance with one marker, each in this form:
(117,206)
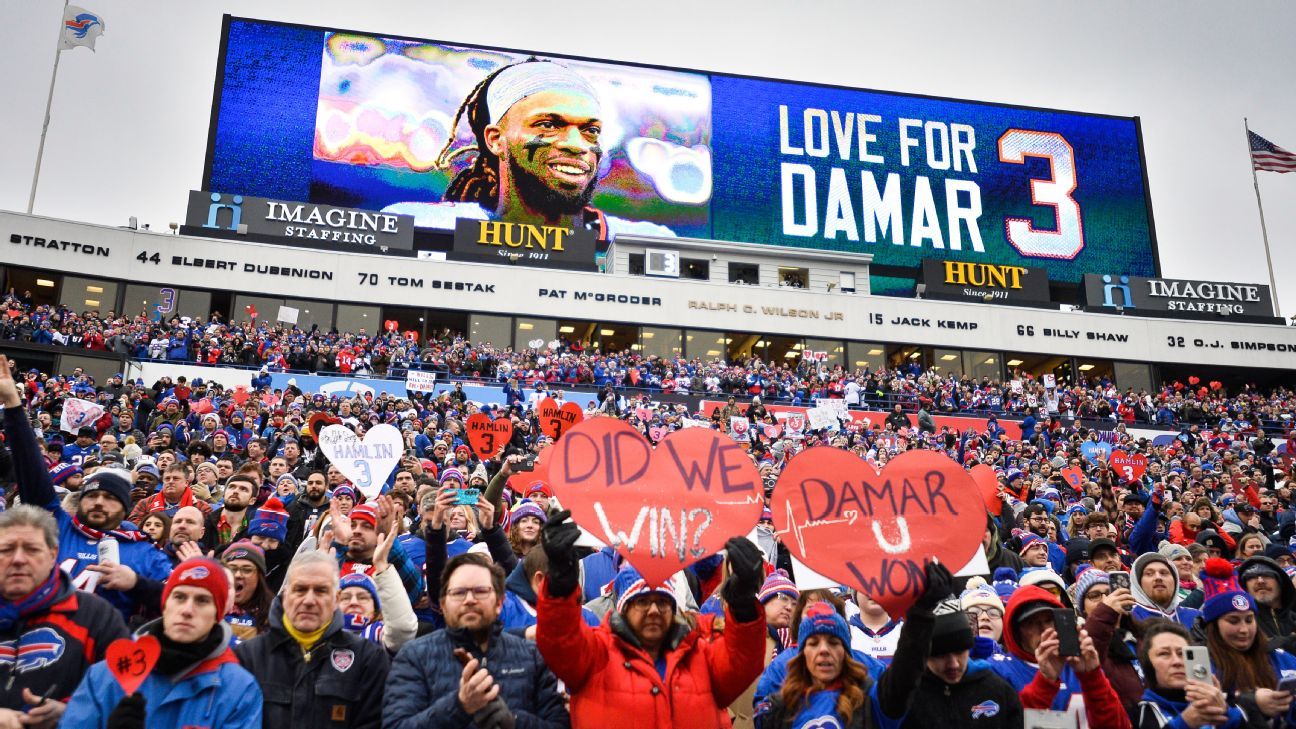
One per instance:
(365,512)
(201,572)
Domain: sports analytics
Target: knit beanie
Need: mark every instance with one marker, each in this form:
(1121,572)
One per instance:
(1221,590)
(361,580)
(452,474)
(1172,551)
(629,584)
(63,472)
(1004,582)
(777,584)
(1030,540)
(348,492)
(270,521)
(951,633)
(202,572)
(112,481)
(366,513)
(246,551)
(1085,580)
(526,507)
(981,596)
(821,618)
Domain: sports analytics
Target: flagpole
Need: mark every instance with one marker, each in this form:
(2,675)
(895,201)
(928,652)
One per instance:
(1273,284)
(49,102)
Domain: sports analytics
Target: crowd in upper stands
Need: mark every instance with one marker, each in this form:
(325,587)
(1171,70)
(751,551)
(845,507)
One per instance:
(275,346)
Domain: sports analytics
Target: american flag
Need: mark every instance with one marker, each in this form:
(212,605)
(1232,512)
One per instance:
(1267,156)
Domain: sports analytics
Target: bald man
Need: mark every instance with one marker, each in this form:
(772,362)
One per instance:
(187,526)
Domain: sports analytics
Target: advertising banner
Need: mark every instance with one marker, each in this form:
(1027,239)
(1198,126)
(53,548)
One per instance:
(298,223)
(1185,299)
(985,282)
(446,132)
(345,387)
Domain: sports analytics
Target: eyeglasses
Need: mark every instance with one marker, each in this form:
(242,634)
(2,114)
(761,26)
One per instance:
(643,603)
(239,570)
(993,613)
(459,594)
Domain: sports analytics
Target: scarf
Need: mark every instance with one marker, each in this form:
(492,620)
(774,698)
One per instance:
(177,658)
(305,640)
(157,502)
(95,535)
(38,600)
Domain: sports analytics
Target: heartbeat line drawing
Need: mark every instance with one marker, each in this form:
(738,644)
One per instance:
(752,498)
(902,544)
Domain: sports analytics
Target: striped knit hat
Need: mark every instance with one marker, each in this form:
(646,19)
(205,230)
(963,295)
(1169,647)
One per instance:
(1222,592)
(629,584)
(777,584)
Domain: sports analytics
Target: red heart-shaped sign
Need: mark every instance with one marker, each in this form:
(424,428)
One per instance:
(319,421)
(1130,466)
(240,395)
(772,431)
(486,436)
(1216,385)
(656,433)
(131,661)
(876,531)
(1194,380)
(1073,476)
(554,420)
(987,482)
(662,509)
(391,325)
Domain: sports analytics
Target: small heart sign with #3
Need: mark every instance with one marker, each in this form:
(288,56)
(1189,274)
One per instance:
(366,463)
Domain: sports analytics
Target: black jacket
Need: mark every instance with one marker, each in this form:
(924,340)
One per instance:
(57,645)
(982,700)
(423,686)
(339,685)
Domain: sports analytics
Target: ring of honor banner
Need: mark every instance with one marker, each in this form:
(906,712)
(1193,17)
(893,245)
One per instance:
(372,122)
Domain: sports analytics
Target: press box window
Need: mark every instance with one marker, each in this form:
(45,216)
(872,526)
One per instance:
(635,261)
(744,273)
(695,268)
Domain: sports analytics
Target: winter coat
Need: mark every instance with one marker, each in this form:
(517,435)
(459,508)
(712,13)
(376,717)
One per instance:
(341,686)
(614,683)
(76,549)
(1156,711)
(423,685)
(1118,660)
(1018,667)
(55,646)
(981,699)
(215,693)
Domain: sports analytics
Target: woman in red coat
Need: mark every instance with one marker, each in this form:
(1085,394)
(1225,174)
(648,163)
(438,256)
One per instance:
(646,665)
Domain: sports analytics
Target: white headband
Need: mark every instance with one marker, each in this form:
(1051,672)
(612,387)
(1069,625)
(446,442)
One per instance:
(519,81)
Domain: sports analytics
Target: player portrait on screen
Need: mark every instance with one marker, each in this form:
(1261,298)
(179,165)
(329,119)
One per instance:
(537,126)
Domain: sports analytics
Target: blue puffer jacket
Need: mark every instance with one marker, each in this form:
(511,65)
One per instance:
(1155,710)
(423,685)
(216,693)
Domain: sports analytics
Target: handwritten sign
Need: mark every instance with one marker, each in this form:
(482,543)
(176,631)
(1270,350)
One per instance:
(78,413)
(366,463)
(661,509)
(1095,451)
(555,420)
(987,482)
(486,436)
(1130,466)
(319,421)
(876,531)
(420,381)
(821,418)
(131,661)
(1073,476)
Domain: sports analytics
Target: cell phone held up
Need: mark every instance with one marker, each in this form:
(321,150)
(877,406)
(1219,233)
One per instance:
(1197,663)
(526,464)
(1064,623)
(466,497)
(1117,580)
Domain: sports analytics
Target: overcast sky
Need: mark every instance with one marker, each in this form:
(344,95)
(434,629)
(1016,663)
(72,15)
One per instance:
(129,129)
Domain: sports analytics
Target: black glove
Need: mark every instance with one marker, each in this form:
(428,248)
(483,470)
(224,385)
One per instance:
(746,574)
(494,715)
(559,539)
(128,714)
(940,585)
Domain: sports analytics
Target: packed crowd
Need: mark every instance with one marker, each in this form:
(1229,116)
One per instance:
(280,595)
(274,346)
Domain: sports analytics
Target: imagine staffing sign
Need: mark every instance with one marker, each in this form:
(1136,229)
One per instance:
(274,221)
(1188,299)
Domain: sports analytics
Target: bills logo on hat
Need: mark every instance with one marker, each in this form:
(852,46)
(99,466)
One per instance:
(198,572)
(342,659)
(1240,603)
(985,709)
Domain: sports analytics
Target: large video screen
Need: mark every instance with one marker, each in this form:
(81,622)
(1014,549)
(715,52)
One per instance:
(445,132)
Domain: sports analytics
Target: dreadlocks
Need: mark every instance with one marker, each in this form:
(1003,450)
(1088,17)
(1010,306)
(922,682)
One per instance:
(478,183)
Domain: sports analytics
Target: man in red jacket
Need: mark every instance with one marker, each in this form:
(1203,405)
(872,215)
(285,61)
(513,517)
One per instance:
(646,665)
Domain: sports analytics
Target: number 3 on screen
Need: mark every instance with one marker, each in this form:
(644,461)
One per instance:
(1068,240)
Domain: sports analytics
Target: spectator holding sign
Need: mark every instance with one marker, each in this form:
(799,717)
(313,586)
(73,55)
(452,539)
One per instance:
(645,665)
(135,577)
(195,681)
